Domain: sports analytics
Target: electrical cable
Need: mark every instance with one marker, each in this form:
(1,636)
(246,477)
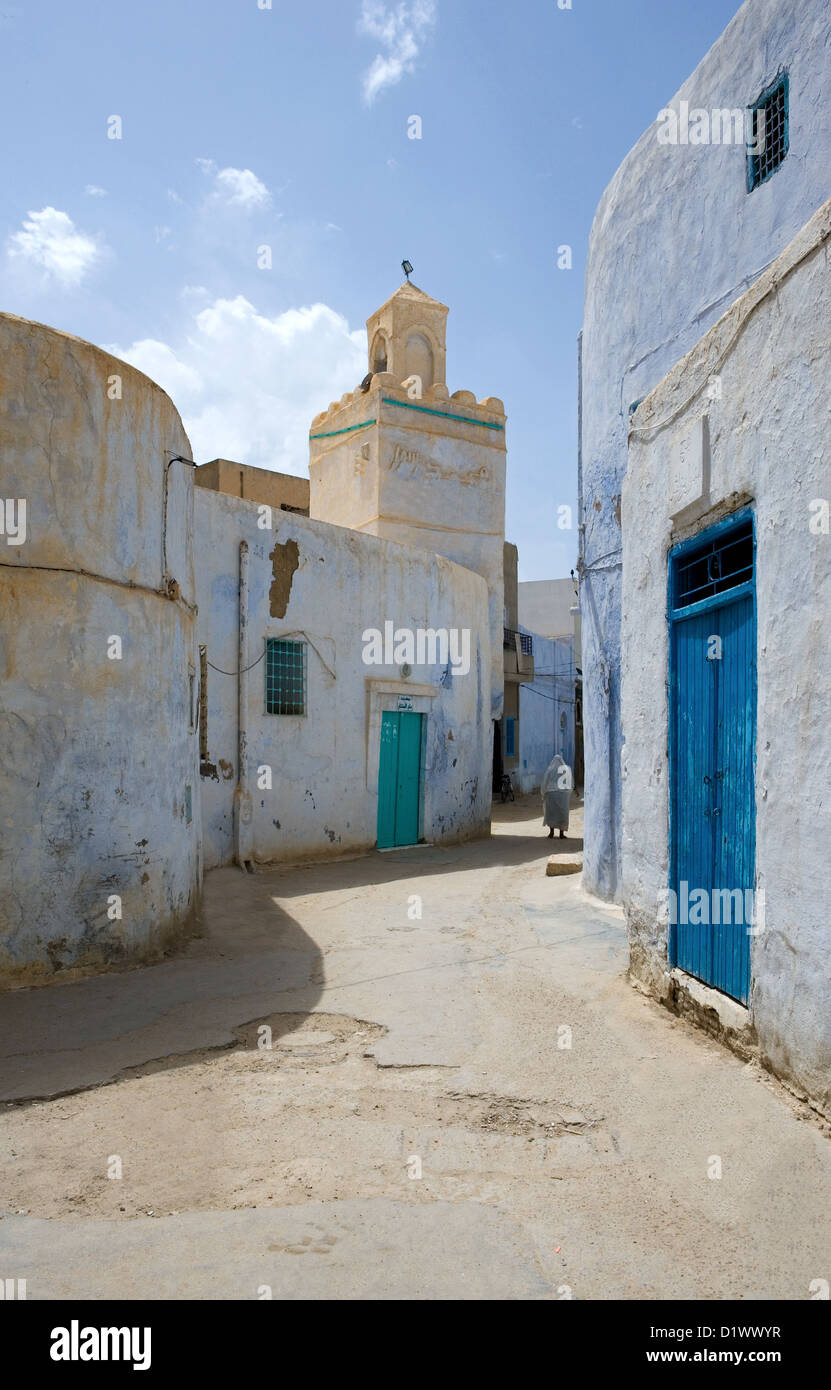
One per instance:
(235,673)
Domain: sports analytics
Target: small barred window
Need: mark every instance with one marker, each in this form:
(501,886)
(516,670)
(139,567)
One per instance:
(285,676)
(769,134)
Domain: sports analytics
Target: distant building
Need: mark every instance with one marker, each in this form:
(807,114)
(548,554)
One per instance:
(546,711)
(549,607)
(550,610)
(517,666)
(280,491)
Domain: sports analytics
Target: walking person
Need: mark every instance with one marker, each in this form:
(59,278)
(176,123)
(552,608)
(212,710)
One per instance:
(556,796)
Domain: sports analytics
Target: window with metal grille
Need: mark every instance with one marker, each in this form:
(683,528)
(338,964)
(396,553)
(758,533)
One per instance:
(526,641)
(285,676)
(769,129)
(724,563)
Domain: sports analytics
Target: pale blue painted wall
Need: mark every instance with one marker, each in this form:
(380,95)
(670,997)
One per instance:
(543,703)
(675,240)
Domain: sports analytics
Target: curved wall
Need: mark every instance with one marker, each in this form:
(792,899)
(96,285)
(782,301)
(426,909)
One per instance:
(98,749)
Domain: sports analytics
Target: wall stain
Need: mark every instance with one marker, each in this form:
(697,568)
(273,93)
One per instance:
(284,561)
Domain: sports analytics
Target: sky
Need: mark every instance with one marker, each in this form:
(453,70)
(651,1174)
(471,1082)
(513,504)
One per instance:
(222,191)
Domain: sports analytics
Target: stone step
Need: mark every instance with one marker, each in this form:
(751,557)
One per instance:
(564,864)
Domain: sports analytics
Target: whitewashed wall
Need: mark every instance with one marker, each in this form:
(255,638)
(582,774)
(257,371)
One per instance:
(97,752)
(324,788)
(675,239)
(770,445)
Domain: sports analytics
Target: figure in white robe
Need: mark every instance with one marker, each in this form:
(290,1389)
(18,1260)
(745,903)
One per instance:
(556,796)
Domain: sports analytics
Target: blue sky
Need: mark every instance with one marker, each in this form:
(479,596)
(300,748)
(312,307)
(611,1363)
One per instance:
(288,128)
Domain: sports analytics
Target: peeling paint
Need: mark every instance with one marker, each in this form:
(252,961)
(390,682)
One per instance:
(284,561)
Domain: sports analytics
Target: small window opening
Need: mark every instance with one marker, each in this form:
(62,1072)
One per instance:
(724,563)
(769,133)
(285,676)
(379,354)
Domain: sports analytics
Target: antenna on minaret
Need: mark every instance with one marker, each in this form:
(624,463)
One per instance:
(407,269)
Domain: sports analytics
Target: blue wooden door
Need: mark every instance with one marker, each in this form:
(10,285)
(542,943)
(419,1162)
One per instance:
(399,779)
(692,829)
(712,746)
(734,798)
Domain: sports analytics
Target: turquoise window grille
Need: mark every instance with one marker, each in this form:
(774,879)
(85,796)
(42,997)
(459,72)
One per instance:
(285,676)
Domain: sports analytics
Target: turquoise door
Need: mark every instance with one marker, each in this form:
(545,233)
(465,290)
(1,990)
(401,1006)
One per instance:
(399,779)
(712,747)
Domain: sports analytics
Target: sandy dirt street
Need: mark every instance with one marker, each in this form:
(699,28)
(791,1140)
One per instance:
(419,1074)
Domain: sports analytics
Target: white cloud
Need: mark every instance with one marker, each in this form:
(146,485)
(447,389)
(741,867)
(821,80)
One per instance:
(235,187)
(50,240)
(241,186)
(94,191)
(400,30)
(248,386)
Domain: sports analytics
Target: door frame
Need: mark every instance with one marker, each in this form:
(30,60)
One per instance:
(674,618)
(383,694)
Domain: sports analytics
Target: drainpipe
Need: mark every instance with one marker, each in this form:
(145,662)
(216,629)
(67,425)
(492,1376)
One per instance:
(580,525)
(243,805)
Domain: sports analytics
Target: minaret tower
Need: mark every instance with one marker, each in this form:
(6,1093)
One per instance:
(401,458)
